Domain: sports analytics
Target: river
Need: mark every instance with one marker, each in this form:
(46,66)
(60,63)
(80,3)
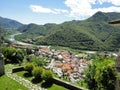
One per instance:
(12,39)
(22,43)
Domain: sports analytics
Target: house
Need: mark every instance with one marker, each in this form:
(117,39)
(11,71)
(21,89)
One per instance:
(58,64)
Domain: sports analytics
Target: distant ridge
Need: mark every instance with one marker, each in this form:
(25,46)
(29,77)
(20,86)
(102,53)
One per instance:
(9,23)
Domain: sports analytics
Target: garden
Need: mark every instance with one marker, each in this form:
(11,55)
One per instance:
(33,70)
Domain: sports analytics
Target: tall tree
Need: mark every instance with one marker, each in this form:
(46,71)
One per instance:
(101,75)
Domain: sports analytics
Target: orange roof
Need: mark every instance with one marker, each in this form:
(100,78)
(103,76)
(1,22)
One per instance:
(44,49)
(69,72)
(66,67)
(65,54)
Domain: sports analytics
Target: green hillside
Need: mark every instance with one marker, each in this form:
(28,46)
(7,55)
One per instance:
(94,33)
(9,23)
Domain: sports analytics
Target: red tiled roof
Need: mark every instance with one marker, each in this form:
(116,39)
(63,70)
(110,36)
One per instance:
(44,49)
(66,67)
(58,64)
(69,72)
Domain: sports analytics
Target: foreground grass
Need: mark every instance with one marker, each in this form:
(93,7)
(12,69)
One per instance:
(9,67)
(7,83)
(56,87)
(49,86)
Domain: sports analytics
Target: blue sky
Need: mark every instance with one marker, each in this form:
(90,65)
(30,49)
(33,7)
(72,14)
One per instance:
(54,11)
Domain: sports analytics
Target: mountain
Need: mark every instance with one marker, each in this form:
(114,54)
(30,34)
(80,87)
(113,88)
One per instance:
(36,30)
(9,23)
(94,33)
(101,16)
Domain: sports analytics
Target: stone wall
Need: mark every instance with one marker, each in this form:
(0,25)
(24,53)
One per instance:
(17,69)
(66,84)
(2,70)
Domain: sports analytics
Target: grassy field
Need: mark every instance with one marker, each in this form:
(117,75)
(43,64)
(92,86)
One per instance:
(8,67)
(7,83)
(49,86)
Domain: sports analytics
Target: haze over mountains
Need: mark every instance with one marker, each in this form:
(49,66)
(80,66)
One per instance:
(94,33)
(9,23)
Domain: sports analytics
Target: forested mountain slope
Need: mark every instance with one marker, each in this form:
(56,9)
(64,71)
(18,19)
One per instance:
(94,33)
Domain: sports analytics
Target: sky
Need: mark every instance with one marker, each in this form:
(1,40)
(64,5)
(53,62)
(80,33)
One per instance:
(54,11)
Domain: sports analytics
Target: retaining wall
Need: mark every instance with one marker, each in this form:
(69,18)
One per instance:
(66,84)
(17,69)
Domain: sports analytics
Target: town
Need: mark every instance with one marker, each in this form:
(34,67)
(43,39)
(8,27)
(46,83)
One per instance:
(65,63)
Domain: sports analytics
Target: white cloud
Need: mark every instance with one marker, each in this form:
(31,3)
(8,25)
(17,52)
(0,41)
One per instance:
(114,2)
(80,9)
(83,8)
(59,11)
(109,9)
(40,9)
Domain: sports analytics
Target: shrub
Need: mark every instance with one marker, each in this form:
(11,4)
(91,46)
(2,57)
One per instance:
(37,72)
(38,61)
(29,67)
(47,75)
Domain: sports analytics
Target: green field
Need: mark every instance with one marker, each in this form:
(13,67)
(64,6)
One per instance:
(7,83)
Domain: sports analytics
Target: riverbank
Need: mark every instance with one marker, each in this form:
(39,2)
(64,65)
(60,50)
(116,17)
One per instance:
(12,39)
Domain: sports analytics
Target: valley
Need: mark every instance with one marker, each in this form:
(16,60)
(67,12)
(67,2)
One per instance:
(81,54)
(94,33)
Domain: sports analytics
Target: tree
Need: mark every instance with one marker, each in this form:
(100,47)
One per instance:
(9,54)
(89,78)
(19,55)
(12,55)
(47,75)
(29,67)
(37,72)
(101,75)
(29,51)
(38,61)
